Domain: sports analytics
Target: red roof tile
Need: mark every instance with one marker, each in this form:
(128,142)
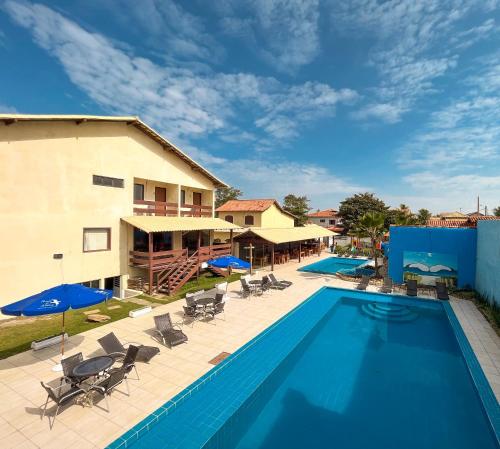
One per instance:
(250,206)
(323,213)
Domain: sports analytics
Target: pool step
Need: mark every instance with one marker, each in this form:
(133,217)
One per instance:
(389,312)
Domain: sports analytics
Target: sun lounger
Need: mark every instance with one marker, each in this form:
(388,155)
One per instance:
(411,287)
(365,280)
(117,350)
(387,285)
(169,336)
(281,281)
(274,285)
(442,291)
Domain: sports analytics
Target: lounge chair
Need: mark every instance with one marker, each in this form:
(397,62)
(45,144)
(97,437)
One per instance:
(108,384)
(114,348)
(273,285)
(68,364)
(61,396)
(442,291)
(411,287)
(365,280)
(387,285)
(169,336)
(281,281)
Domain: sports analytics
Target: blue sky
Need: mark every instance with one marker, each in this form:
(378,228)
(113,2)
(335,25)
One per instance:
(322,98)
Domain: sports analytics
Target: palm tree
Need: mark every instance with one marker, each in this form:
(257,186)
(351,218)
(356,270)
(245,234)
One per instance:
(371,225)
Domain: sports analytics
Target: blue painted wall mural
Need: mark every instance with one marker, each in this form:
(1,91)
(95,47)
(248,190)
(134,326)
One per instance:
(429,252)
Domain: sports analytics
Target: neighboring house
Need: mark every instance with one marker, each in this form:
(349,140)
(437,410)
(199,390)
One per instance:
(97,200)
(451,216)
(268,228)
(265,213)
(328,218)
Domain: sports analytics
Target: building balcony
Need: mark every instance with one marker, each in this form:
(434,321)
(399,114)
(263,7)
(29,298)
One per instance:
(193,210)
(159,208)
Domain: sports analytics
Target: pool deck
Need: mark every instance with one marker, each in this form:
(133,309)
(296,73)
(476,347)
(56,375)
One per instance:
(172,370)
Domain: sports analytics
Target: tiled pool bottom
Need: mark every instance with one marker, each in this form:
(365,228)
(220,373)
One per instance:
(336,373)
(332,265)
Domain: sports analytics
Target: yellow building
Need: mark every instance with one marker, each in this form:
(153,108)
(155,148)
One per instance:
(265,213)
(270,230)
(98,200)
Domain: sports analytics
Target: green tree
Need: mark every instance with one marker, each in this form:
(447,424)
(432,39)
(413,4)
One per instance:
(297,206)
(224,194)
(354,207)
(423,216)
(372,225)
(496,211)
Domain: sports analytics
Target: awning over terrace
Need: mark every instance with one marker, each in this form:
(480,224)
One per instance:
(152,223)
(284,235)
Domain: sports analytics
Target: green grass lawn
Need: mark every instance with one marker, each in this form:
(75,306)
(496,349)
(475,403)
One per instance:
(206,281)
(16,335)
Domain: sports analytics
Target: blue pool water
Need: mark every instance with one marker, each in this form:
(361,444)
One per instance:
(344,370)
(332,265)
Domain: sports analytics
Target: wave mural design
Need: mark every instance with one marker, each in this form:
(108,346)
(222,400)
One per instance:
(429,266)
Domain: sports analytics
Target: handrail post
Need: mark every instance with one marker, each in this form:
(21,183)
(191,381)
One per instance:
(150,254)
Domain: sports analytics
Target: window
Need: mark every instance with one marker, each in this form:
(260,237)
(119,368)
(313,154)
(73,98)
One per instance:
(249,220)
(332,222)
(138,191)
(183,197)
(96,239)
(322,220)
(107,181)
(229,218)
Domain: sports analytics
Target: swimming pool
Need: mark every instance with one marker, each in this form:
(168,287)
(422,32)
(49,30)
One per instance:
(332,265)
(344,369)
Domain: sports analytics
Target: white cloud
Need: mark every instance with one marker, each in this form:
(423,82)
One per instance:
(285,32)
(178,101)
(415,43)
(6,109)
(388,113)
(264,176)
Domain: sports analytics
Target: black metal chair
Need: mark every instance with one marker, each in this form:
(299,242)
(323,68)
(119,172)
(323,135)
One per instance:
(442,291)
(60,396)
(169,336)
(411,287)
(245,291)
(105,386)
(128,363)
(114,348)
(68,364)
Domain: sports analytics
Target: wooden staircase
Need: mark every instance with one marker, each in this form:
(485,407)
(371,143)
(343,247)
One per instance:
(172,279)
(218,271)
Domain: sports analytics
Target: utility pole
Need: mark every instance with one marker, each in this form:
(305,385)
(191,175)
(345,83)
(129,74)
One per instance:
(478,204)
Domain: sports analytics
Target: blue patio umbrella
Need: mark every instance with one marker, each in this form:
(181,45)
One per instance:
(57,300)
(229,261)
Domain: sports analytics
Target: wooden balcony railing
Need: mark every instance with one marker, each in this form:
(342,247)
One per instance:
(213,251)
(162,259)
(157,260)
(146,207)
(193,210)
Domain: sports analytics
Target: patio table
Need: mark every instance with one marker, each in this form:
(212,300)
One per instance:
(93,366)
(207,305)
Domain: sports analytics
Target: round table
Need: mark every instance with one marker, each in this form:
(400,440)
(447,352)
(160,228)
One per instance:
(205,301)
(92,367)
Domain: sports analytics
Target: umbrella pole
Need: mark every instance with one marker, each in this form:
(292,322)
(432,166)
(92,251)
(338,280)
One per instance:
(62,336)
